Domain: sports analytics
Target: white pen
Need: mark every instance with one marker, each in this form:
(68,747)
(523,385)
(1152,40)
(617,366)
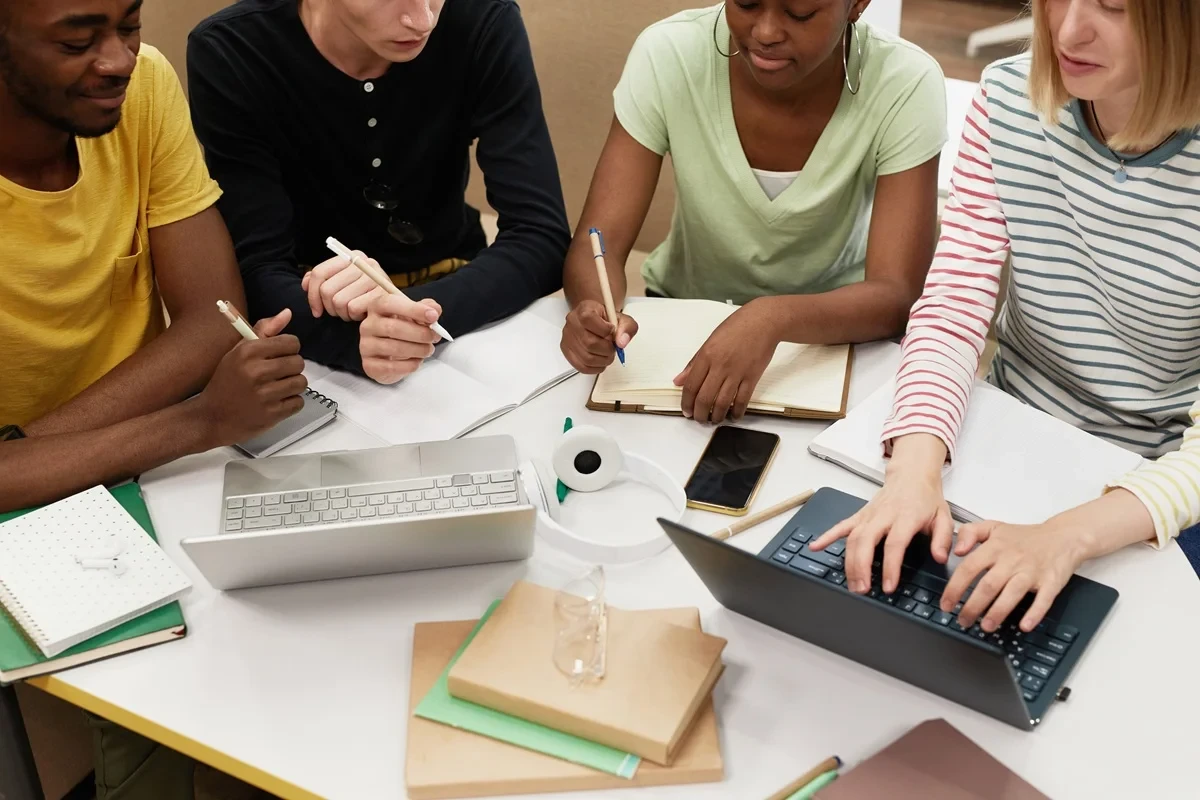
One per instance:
(380,279)
(236,320)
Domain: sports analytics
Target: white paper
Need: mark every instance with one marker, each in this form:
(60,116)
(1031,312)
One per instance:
(61,602)
(1012,463)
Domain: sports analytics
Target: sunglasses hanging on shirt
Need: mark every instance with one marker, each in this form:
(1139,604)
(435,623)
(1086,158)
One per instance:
(383,197)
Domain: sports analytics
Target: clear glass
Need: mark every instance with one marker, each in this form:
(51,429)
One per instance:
(581,628)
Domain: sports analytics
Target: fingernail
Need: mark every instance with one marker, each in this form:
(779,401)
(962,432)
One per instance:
(431,315)
(623,340)
(857,586)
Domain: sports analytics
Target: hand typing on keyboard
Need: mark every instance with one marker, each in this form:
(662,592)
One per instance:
(909,503)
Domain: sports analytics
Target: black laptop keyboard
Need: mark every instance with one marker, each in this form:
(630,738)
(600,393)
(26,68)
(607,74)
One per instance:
(1034,655)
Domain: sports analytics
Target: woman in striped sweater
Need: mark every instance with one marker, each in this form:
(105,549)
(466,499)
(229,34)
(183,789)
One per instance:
(1081,162)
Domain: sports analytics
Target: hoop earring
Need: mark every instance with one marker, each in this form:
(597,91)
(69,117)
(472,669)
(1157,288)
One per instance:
(716,21)
(846,59)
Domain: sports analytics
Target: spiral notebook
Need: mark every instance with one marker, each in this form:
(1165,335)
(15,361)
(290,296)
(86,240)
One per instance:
(318,411)
(80,567)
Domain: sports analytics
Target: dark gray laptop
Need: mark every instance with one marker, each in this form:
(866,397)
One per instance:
(1009,675)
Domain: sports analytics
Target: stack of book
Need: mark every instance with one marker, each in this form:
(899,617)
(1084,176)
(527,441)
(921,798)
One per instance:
(81,580)
(492,714)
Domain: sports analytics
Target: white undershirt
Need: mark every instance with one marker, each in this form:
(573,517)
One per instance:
(773,183)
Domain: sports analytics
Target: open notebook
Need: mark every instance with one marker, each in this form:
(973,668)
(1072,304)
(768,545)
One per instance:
(808,381)
(80,567)
(467,383)
(1013,463)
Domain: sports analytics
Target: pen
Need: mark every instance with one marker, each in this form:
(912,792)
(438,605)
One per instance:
(605,288)
(380,279)
(817,784)
(237,321)
(749,522)
(830,764)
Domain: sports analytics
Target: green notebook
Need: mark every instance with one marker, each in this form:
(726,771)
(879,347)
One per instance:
(440,706)
(21,659)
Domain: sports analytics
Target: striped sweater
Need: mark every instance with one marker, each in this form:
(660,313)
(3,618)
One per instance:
(1101,322)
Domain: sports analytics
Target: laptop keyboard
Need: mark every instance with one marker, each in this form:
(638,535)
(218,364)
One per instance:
(1034,655)
(372,502)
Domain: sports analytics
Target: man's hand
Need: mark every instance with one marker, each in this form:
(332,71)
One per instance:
(256,385)
(720,379)
(588,336)
(395,339)
(339,287)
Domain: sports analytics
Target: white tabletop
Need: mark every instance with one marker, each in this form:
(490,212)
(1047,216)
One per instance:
(305,688)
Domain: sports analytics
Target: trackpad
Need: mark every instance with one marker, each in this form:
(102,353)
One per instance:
(368,466)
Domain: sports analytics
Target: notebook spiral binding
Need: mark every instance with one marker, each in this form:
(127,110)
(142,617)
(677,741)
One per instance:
(328,402)
(17,611)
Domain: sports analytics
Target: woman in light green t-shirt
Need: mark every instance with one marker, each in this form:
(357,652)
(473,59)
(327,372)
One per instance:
(805,148)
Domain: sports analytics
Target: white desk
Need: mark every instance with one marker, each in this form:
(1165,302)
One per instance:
(304,689)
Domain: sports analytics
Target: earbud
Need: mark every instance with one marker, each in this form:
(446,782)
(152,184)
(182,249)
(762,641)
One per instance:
(115,565)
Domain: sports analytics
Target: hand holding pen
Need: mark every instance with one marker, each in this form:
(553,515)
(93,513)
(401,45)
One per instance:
(258,383)
(595,331)
(398,333)
(610,308)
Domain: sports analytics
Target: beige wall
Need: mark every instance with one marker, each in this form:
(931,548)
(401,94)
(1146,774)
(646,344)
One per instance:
(166,24)
(579,48)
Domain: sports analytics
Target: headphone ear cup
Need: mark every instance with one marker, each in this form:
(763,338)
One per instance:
(587,458)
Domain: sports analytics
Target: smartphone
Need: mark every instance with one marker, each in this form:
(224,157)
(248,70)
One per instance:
(730,470)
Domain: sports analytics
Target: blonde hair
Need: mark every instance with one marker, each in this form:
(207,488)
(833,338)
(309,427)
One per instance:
(1168,37)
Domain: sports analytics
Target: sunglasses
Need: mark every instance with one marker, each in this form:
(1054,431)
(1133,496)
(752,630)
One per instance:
(383,197)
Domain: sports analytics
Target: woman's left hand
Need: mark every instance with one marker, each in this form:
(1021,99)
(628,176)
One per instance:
(720,379)
(1014,560)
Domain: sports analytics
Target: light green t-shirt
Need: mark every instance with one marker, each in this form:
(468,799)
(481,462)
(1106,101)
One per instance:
(728,240)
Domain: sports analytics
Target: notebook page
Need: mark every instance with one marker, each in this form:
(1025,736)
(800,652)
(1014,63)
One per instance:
(1013,462)
(669,334)
(517,358)
(805,376)
(1018,464)
(434,403)
(671,331)
(60,602)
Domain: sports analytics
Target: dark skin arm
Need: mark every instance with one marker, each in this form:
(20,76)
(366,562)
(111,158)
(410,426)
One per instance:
(617,203)
(194,266)
(136,417)
(256,384)
(720,379)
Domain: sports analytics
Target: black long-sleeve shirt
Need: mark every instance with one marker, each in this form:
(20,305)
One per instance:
(294,141)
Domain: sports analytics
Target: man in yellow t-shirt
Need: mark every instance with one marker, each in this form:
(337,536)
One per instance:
(106,216)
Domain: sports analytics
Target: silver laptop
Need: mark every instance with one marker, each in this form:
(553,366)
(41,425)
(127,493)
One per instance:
(287,519)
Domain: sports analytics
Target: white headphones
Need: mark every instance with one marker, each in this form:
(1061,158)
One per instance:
(587,460)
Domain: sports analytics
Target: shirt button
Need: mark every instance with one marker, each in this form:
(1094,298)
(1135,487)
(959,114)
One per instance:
(376,163)
(368,87)
(372,122)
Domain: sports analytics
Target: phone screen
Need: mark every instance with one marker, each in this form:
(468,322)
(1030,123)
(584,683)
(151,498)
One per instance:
(731,467)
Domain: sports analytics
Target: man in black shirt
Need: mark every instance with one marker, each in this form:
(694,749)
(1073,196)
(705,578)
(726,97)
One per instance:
(352,119)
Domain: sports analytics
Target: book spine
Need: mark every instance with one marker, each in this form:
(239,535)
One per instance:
(601,733)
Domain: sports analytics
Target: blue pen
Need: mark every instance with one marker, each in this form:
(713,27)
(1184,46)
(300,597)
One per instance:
(605,288)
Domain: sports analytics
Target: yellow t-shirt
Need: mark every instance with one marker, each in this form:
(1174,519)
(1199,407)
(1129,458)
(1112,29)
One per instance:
(77,290)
